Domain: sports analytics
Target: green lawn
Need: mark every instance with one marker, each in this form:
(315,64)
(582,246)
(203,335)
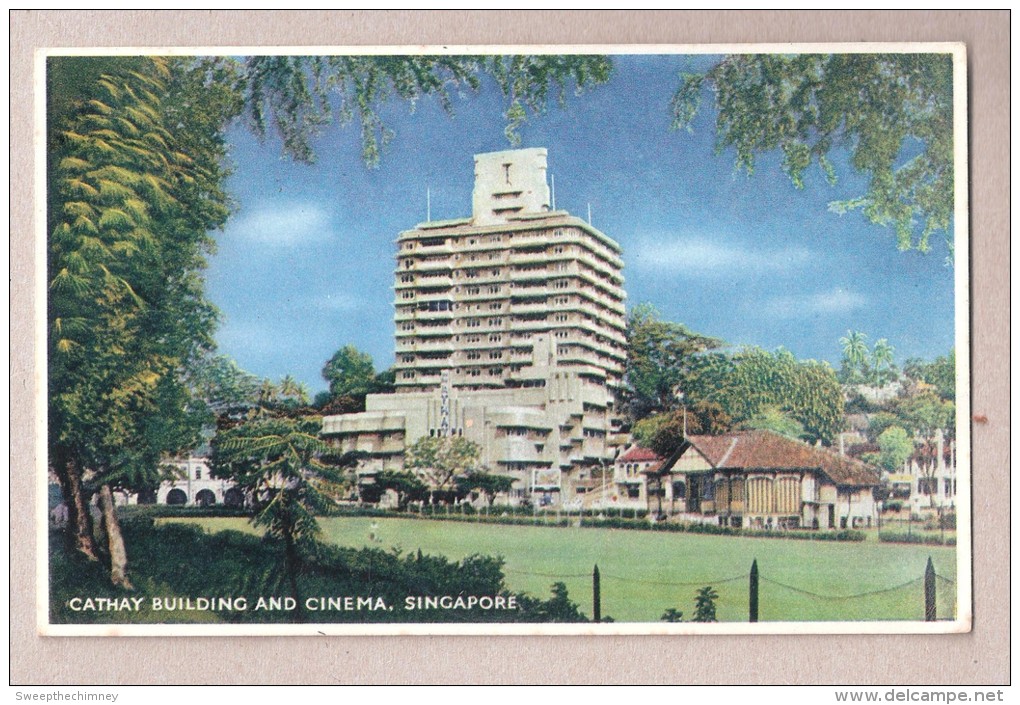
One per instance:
(644,572)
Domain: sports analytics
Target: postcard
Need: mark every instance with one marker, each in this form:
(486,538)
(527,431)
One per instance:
(504,340)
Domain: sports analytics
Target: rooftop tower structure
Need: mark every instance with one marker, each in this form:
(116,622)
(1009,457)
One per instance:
(500,298)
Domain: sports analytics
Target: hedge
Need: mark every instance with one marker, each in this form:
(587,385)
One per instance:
(927,539)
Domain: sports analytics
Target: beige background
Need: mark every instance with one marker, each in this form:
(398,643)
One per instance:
(979,657)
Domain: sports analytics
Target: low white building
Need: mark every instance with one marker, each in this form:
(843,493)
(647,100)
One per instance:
(192,485)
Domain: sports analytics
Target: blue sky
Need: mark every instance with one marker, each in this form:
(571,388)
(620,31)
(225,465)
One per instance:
(305,265)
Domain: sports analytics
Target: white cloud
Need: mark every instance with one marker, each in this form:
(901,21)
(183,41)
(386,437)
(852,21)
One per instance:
(284,224)
(337,302)
(834,301)
(702,257)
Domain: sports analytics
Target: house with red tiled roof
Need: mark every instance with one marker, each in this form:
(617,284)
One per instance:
(630,477)
(761,480)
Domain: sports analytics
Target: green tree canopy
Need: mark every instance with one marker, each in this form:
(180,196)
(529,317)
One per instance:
(300,95)
(349,372)
(407,485)
(895,447)
(440,459)
(222,384)
(893,113)
(664,433)
(747,382)
(660,357)
(940,373)
(134,185)
(487,483)
(772,418)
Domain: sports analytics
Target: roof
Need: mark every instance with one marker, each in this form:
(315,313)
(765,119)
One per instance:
(765,450)
(637,454)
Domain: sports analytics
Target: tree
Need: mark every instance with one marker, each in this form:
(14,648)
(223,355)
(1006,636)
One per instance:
(672,615)
(772,418)
(292,392)
(940,373)
(751,380)
(221,383)
(892,112)
(488,484)
(879,422)
(134,185)
(895,448)
(278,463)
(854,369)
(407,485)
(928,418)
(660,356)
(349,372)
(299,95)
(883,362)
(439,459)
(665,433)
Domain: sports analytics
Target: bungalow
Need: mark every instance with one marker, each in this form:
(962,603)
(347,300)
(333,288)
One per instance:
(630,475)
(761,480)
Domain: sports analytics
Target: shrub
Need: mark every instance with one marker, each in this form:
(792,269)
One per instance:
(920,538)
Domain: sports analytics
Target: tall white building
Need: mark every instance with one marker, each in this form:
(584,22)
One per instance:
(509,331)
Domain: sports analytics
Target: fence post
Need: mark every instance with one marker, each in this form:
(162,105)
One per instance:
(930,613)
(753,599)
(596,592)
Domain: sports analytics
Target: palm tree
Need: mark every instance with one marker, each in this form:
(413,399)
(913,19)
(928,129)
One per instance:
(883,358)
(290,388)
(855,356)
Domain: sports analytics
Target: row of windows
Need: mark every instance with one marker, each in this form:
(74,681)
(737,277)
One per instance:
(469,372)
(498,238)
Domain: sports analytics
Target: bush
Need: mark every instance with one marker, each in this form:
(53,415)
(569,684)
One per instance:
(920,538)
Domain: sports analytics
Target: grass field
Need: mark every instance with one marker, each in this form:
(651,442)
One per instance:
(644,573)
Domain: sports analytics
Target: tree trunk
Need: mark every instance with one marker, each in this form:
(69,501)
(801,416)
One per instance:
(292,563)
(114,540)
(79,520)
